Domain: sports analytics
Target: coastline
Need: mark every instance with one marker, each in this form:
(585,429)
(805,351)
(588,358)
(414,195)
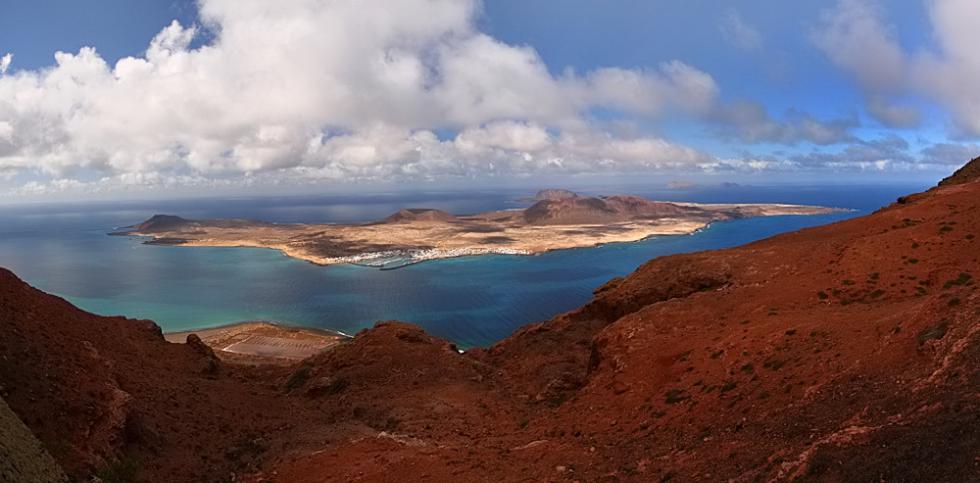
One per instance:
(411,236)
(634,232)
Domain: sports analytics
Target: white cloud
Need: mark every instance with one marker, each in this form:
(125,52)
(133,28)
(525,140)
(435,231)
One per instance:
(339,89)
(890,113)
(751,122)
(950,154)
(675,86)
(5,62)
(953,73)
(500,148)
(739,33)
(856,39)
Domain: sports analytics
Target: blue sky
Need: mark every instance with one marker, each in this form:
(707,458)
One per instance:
(786,73)
(34,31)
(249,95)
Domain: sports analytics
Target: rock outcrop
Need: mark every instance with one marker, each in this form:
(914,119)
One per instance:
(967,173)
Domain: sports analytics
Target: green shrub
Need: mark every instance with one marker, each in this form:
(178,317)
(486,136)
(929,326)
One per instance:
(963,279)
(298,378)
(937,331)
(774,364)
(675,396)
(120,471)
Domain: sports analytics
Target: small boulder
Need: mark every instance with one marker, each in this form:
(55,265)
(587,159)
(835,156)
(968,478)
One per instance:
(211,363)
(325,386)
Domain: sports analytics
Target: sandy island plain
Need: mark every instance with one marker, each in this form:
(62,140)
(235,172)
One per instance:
(415,235)
(260,342)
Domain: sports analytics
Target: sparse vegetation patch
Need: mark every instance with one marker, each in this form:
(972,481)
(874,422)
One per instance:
(935,332)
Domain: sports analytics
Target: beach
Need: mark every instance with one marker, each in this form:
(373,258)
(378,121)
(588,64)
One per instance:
(262,342)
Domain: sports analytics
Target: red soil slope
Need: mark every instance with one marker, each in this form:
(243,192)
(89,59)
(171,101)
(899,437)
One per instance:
(849,352)
(110,396)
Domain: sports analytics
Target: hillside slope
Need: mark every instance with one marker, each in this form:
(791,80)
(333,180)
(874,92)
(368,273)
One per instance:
(108,395)
(848,352)
(968,172)
(22,458)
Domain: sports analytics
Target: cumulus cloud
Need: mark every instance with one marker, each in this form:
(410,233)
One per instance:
(952,74)
(855,38)
(675,86)
(498,148)
(950,154)
(5,62)
(891,113)
(751,122)
(739,33)
(887,153)
(343,89)
(878,154)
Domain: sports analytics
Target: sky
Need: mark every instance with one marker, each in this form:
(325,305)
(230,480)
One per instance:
(139,97)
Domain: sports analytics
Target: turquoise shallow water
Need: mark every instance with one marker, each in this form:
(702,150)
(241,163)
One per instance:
(473,301)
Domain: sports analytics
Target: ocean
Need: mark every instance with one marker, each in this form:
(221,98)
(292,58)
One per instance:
(474,301)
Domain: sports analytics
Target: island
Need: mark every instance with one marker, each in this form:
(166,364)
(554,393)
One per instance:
(557,219)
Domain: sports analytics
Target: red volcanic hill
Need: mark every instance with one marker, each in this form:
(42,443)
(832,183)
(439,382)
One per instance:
(554,194)
(418,214)
(608,209)
(847,352)
(165,223)
(157,223)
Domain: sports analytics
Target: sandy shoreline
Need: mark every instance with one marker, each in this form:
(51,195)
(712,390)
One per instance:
(263,342)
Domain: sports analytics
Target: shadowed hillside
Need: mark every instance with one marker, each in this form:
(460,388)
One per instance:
(22,458)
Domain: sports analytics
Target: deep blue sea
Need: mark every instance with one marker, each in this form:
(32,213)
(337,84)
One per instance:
(474,301)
